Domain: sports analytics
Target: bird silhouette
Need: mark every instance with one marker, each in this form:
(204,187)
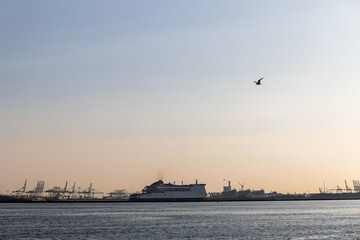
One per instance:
(258,82)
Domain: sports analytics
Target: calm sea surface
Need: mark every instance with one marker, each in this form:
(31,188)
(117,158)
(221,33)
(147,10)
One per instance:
(198,220)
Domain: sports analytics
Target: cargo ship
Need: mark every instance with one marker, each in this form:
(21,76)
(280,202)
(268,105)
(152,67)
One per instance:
(167,192)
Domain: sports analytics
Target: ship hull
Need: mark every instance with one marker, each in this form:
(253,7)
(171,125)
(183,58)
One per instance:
(166,199)
(160,192)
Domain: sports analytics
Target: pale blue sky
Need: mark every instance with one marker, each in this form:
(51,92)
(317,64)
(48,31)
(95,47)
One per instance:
(176,71)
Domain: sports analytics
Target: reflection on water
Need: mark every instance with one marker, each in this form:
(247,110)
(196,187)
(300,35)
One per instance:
(199,220)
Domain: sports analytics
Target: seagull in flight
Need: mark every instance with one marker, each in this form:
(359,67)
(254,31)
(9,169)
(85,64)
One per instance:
(258,82)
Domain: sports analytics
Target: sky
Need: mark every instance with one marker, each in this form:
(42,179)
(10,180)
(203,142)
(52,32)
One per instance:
(123,93)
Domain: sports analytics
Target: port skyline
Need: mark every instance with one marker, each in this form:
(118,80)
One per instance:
(76,187)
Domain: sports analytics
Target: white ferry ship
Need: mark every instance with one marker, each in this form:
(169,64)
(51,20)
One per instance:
(160,191)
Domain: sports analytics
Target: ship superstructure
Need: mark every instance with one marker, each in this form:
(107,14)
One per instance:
(160,191)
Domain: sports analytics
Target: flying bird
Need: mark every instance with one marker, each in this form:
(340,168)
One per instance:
(258,82)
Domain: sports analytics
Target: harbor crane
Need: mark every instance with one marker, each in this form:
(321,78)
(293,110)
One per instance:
(90,192)
(241,185)
(58,192)
(356,184)
(347,187)
(22,190)
(38,190)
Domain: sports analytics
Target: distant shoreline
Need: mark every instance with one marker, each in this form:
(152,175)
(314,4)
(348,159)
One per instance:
(160,201)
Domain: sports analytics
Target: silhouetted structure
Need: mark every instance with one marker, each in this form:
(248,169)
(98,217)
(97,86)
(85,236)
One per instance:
(21,191)
(38,191)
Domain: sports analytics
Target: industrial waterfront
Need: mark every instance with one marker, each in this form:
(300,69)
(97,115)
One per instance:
(170,192)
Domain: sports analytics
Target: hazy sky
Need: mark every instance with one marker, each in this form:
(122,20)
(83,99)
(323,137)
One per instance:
(121,93)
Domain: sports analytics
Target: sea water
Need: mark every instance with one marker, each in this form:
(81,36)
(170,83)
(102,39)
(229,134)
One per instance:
(186,220)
